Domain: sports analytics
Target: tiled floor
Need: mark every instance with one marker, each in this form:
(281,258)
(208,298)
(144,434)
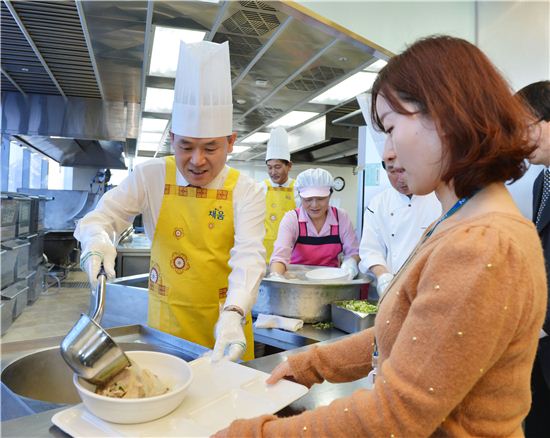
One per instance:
(54,313)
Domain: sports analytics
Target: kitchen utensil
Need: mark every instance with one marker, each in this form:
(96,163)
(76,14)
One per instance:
(300,298)
(327,274)
(350,321)
(172,371)
(88,349)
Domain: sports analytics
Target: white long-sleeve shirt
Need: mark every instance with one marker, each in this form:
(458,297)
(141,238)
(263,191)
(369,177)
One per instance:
(142,192)
(287,183)
(393,226)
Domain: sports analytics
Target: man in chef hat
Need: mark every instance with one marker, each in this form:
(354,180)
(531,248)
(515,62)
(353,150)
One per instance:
(279,188)
(205,220)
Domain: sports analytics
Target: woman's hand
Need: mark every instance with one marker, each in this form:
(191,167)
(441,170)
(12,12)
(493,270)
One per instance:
(277,268)
(281,371)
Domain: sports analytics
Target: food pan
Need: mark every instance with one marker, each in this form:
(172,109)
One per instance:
(350,321)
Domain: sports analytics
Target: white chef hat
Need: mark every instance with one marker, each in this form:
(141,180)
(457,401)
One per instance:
(277,146)
(378,138)
(314,182)
(203,106)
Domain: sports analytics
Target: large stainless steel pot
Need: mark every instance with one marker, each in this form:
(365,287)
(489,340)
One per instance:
(304,299)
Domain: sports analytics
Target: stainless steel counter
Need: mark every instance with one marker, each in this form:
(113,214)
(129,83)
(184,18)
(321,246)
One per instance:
(126,303)
(307,335)
(39,425)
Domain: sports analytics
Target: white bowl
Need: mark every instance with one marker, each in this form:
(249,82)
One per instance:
(171,370)
(327,275)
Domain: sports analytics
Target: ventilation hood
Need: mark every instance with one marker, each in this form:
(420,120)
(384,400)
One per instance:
(74,74)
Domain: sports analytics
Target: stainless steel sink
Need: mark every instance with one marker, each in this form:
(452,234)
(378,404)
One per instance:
(44,375)
(41,380)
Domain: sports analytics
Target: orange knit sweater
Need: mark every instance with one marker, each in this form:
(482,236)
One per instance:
(457,335)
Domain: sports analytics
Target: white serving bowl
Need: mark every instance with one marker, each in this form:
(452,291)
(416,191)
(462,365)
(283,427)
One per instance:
(327,275)
(172,371)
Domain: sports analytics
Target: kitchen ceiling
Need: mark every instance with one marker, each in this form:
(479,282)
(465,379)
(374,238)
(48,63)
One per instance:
(80,70)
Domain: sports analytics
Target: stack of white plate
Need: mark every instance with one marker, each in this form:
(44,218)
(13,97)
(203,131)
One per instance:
(330,275)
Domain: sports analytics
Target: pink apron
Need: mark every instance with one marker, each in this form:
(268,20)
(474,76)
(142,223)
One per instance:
(317,251)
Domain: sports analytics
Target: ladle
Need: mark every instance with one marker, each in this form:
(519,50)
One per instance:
(88,349)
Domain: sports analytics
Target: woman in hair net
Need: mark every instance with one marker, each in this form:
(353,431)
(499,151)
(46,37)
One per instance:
(315,233)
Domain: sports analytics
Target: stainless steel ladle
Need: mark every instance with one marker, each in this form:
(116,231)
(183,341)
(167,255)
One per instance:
(88,349)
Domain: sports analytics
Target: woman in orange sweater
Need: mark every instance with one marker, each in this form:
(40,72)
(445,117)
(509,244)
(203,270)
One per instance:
(457,330)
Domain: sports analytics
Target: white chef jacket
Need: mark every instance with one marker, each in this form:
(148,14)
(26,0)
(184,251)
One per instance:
(142,192)
(393,225)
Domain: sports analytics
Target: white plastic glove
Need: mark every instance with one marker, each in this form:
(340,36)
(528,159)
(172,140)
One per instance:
(276,276)
(350,266)
(97,250)
(383,282)
(230,340)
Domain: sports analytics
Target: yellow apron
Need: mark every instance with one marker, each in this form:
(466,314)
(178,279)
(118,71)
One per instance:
(278,201)
(188,275)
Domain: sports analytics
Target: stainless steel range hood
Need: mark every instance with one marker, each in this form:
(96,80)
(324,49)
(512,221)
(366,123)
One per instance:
(77,132)
(318,141)
(79,70)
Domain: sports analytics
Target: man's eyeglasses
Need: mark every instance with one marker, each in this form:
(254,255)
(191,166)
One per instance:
(384,165)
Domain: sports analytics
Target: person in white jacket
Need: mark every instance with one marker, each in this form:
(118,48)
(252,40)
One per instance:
(394,221)
(205,220)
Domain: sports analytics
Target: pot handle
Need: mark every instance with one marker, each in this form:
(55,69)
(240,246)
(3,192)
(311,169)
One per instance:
(97,313)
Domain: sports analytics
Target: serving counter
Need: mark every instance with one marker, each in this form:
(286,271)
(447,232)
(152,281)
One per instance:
(126,304)
(40,425)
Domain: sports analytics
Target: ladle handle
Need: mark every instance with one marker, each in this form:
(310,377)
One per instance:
(100,295)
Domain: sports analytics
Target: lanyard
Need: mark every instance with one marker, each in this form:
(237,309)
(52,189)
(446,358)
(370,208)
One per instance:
(447,215)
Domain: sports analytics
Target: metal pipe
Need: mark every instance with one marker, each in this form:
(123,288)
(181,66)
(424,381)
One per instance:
(292,76)
(146,63)
(264,49)
(84,25)
(217,21)
(15,84)
(339,120)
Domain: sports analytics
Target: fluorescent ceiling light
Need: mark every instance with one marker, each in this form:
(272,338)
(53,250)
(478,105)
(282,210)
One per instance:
(149,124)
(348,88)
(238,149)
(166,49)
(159,100)
(293,118)
(376,66)
(257,137)
(150,137)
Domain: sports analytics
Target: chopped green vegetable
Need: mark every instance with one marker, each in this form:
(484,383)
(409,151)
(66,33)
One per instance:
(323,325)
(360,306)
